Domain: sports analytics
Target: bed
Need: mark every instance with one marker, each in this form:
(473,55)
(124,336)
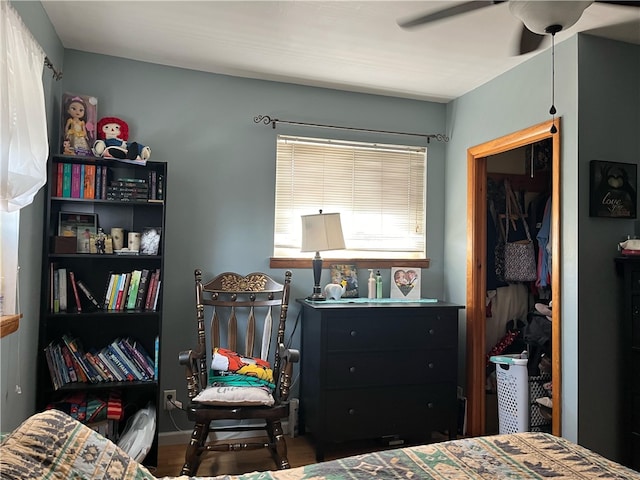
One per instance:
(54,446)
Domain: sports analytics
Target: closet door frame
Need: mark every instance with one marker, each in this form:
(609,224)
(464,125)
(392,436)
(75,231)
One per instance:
(476,269)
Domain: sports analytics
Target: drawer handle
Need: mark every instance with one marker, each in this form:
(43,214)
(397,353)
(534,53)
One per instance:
(352,369)
(352,411)
(353,333)
(432,331)
(430,365)
(430,405)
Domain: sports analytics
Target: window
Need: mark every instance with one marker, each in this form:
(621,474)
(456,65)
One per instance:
(378,189)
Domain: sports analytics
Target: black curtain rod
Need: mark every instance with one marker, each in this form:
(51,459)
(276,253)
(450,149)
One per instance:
(266,120)
(57,74)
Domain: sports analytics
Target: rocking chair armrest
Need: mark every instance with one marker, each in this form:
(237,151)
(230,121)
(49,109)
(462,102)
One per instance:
(290,355)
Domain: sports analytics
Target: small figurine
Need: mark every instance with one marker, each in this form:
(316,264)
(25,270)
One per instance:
(101,241)
(113,134)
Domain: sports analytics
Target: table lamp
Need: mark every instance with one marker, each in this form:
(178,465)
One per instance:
(320,232)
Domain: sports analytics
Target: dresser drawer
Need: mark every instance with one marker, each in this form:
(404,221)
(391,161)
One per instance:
(405,367)
(413,329)
(376,412)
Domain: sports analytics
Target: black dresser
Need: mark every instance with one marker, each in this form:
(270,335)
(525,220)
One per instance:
(629,269)
(383,370)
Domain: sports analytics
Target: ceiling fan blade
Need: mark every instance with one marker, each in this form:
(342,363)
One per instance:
(529,41)
(622,3)
(446,13)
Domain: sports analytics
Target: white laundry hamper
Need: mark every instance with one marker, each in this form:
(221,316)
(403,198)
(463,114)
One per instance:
(512,379)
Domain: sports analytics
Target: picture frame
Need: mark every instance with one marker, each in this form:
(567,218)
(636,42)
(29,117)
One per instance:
(80,225)
(79,119)
(349,273)
(613,188)
(150,240)
(405,283)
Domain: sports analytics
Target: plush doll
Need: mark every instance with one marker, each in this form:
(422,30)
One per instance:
(113,134)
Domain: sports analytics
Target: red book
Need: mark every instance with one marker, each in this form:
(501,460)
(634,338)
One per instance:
(72,277)
(626,251)
(76,170)
(59,175)
(151,290)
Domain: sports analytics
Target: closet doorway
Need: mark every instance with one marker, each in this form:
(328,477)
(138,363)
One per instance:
(476,269)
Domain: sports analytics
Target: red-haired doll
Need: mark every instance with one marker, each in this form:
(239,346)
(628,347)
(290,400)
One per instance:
(113,134)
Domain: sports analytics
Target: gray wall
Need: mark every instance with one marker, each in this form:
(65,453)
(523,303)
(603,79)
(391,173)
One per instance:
(609,118)
(608,106)
(18,350)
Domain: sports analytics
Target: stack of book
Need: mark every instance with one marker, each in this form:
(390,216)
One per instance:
(136,290)
(89,181)
(123,360)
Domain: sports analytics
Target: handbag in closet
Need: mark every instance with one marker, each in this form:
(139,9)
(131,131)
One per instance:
(519,256)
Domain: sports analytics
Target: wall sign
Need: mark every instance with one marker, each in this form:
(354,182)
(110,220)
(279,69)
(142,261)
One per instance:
(613,189)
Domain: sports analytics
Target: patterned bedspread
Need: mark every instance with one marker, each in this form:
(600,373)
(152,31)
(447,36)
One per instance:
(51,445)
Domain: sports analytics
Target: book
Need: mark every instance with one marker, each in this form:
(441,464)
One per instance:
(124,357)
(51,365)
(142,289)
(123,289)
(108,290)
(56,291)
(110,352)
(117,287)
(139,355)
(78,355)
(60,364)
(348,273)
(62,286)
(59,175)
(97,362)
(82,174)
(74,287)
(88,294)
(151,289)
(90,181)
(66,180)
(113,368)
(75,180)
(98,181)
(134,285)
(103,192)
(156,295)
(71,369)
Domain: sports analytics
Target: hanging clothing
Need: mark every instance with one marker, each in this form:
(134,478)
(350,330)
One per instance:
(544,248)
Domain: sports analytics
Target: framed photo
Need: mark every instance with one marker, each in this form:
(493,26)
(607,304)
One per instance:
(79,123)
(150,240)
(79,225)
(349,273)
(613,188)
(405,283)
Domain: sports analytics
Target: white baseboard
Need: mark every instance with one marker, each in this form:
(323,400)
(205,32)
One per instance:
(182,437)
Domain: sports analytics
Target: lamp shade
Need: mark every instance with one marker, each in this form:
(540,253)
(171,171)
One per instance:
(537,15)
(322,231)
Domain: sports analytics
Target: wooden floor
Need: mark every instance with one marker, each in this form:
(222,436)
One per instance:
(299,449)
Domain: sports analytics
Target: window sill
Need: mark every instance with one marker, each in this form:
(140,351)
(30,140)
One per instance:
(363,263)
(9,324)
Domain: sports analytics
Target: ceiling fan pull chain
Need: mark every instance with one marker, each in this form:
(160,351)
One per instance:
(552,110)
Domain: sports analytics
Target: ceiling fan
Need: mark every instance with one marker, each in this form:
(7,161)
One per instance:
(538,17)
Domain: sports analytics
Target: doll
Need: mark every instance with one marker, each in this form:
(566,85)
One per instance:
(113,134)
(75,128)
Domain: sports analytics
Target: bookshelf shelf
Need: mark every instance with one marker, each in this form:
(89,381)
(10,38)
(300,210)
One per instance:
(113,351)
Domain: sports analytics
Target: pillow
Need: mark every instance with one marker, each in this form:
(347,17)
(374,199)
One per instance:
(229,395)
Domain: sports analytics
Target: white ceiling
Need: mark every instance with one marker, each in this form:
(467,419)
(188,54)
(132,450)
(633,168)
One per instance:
(348,45)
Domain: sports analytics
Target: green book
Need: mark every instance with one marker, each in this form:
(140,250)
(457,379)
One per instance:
(133,289)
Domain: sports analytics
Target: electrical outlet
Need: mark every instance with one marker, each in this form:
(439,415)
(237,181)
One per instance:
(169,394)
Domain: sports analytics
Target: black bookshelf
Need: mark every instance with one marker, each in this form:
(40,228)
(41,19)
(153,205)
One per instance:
(135,203)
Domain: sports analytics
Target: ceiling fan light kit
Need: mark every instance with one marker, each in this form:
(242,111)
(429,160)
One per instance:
(543,16)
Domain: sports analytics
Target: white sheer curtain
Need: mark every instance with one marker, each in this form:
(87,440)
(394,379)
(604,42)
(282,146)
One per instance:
(23,138)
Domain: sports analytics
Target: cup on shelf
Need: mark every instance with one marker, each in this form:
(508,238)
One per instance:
(134,241)
(117,235)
